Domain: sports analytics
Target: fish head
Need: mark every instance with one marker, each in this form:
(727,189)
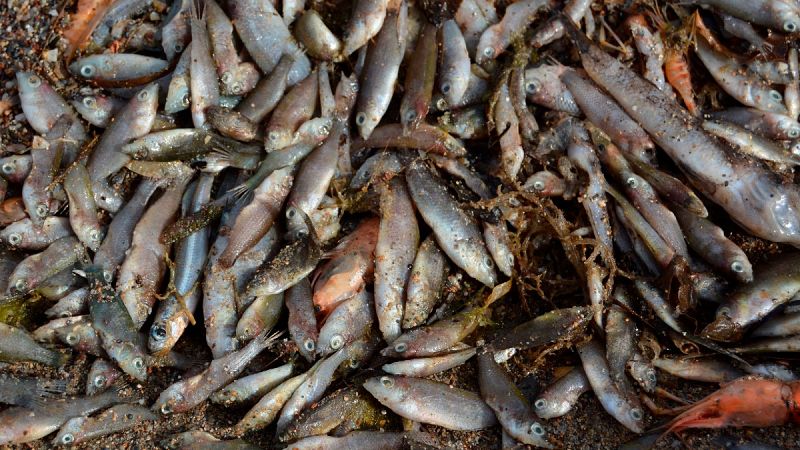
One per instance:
(790,128)
(162,337)
(69,431)
(788,13)
(132,361)
(88,67)
(385,389)
(28,82)
(169,400)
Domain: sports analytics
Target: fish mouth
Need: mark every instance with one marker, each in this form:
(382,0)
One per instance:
(723,329)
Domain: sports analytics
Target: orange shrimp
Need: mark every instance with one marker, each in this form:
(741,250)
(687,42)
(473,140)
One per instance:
(351,265)
(676,66)
(676,69)
(745,402)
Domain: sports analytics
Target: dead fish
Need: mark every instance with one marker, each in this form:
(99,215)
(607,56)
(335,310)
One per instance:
(456,233)
(20,425)
(292,263)
(188,393)
(509,404)
(454,408)
(774,283)
(29,392)
(248,388)
(561,396)
(113,420)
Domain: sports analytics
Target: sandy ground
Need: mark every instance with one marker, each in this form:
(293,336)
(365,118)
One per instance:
(29,30)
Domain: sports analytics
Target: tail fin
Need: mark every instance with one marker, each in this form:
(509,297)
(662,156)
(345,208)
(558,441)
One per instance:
(45,391)
(118,392)
(578,38)
(50,388)
(265,339)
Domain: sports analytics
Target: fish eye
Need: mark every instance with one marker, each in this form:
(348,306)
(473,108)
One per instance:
(361,118)
(724,311)
(354,363)
(775,95)
(87,70)
(8,168)
(636,414)
(400,347)
(143,95)
(631,182)
(237,88)
(488,52)
(158,333)
(793,132)
(226,78)
(445,88)
(323,130)
(789,26)
(94,235)
(387,382)
(129,416)
(21,285)
(107,276)
(138,363)
(34,81)
(411,115)
(14,239)
(309,345)
(90,102)
(41,210)
(537,429)
(538,185)
(651,377)
(166,409)
(178,47)
(337,342)
(441,104)
(354,86)
(540,403)
(737,266)
(274,136)
(72,338)
(100,380)
(531,87)
(186,100)
(487,261)
(67,439)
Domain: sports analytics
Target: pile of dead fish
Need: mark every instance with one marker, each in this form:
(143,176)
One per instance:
(386,181)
